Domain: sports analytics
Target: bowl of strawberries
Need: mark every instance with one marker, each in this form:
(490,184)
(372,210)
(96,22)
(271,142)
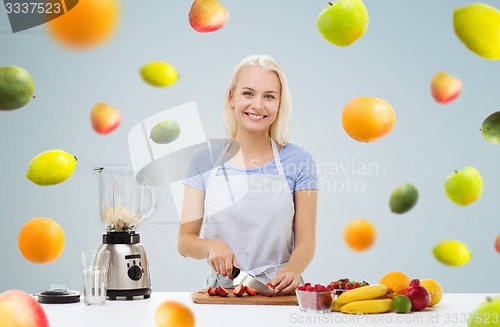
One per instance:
(315,298)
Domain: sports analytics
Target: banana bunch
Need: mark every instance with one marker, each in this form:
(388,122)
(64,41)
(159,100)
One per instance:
(366,299)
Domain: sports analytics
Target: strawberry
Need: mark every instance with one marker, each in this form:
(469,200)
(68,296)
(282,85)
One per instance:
(351,285)
(239,290)
(270,285)
(343,282)
(221,291)
(251,291)
(211,291)
(335,285)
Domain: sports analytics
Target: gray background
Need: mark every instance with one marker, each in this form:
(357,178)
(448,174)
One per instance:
(405,45)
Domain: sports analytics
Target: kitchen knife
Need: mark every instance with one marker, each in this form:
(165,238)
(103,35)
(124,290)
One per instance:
(241,277)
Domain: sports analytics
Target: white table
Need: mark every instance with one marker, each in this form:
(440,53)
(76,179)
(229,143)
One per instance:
(452,311)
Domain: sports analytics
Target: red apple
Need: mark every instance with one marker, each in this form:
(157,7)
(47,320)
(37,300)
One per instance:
(207,15)
(104,118)
(419,296)
(445,87)
(18,308)
(497,243)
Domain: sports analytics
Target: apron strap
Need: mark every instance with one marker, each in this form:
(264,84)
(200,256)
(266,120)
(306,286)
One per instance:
(277,160)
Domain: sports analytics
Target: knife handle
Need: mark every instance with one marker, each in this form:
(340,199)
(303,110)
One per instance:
(236,272)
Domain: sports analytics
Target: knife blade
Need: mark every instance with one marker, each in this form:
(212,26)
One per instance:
(241,277)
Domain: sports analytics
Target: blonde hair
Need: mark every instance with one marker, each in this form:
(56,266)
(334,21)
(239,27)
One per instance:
(279,128)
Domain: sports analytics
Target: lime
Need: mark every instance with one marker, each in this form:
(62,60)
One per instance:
(491,128)
(159,73)
(165,132)
(51,167)
(477,25)
(16,87)
(403,198)
(452,253)
(401,304)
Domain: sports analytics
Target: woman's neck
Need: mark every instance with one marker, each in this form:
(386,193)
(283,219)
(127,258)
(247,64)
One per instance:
(251,151)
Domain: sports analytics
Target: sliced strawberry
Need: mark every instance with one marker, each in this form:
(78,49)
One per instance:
(251,291)
(239,290)
(211,291)
(270,285)
(221,291)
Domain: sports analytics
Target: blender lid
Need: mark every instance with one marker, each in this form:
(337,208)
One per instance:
(58,294)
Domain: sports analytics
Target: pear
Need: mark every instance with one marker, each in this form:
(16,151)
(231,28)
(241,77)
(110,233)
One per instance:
(16,87)
(207,16)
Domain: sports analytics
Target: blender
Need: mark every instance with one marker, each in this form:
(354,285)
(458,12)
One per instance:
(122,202)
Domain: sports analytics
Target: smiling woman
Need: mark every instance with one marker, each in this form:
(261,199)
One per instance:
(258,210)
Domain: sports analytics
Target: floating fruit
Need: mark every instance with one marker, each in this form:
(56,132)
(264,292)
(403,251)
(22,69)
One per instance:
(172,313)
(41,240)
(452,253)
(207,16)
(368,119)
(343,22)
(16,87)
(435,290)
(491,128)
(359,234)
(89,24)
(445,87)
(486,314)
(497,243)
(159,74)
(165,132)
(477,25)
(403,198)
(401,304)
(21,309)
(104,118)
(465,186)
(51,167)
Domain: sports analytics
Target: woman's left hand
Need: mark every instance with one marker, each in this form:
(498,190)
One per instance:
(285,282)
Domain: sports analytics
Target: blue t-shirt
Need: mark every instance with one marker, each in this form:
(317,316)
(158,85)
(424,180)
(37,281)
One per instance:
(297,163)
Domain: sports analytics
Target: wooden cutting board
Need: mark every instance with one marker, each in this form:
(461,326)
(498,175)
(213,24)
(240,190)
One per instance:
(202,297)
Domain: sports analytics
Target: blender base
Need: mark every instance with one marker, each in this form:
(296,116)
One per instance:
(113,295)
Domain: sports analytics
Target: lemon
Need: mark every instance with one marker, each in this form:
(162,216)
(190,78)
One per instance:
(452,253)
(159,73)
(51,167)
(165,132)
(477,25)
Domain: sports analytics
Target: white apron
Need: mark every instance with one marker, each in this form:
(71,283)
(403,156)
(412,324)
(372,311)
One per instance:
(253,214)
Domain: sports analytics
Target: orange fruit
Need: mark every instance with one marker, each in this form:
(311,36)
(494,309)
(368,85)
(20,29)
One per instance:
(41,240)
(172,314)
(90,23)
(359,234)
(368,119)
(434,288)
(396,282)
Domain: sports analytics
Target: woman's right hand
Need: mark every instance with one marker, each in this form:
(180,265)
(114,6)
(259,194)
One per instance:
(221,258)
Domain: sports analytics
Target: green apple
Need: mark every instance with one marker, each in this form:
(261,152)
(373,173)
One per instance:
(487,314)
(465,186)
(343,22)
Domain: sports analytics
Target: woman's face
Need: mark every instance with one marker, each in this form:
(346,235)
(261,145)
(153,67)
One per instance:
(256,99)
